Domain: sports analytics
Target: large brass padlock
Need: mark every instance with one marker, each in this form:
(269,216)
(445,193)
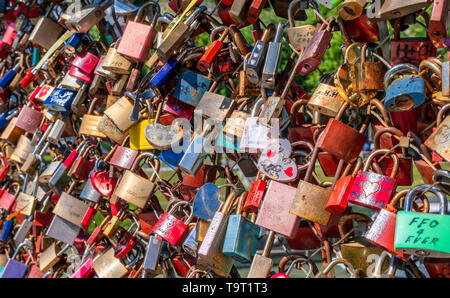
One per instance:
(134,188)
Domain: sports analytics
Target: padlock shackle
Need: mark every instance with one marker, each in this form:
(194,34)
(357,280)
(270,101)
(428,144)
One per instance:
(379,133)
(310,4)
(442,112)
(378,152)
(295,108)
(146,155)
(352,216)
(399,198)
(178,204)
(331,265)
(379,263)
(138,16)
(399,68)
(424,188)
(384,113)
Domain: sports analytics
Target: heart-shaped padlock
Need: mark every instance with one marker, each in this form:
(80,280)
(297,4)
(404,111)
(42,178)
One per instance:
(102,183)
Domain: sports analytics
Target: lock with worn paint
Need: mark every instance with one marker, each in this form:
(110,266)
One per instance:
(405,93)
(313,53)
(191,87)
(373,190)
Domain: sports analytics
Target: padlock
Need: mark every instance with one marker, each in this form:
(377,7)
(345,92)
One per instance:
(83,165)
(410,50)
(123,157)
(87,17)
(213,49)
(59,100)
(272,59)
(241,236)
(137,38)
(262,264)
(16,269)
(213,241)
(70,208)
(310,200)
(108,266)
(191,87)
(371,190)
(59,180)
(134,188)
(45,33)
(362,29)
(371,74)
(340,140)
(357,250)
(382,230)
(170,228)
(127,240)
(351,9)
(432,244)
(394,10)
(300,36)
(438,23)
(313,53)
(113,63)
(438,141)
(326,98)
(51,256)
(405,93)
(8,199)
(23,149)
(175,36)
(253,65)
(404,175)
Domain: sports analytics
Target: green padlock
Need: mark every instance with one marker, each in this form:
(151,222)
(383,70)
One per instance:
(423,234)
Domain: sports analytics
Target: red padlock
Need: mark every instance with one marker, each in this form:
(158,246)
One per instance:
(211,52)
(255,195)
(372,190)
(171,228)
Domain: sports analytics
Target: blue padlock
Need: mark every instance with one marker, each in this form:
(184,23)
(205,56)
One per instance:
(190,87)
(7,227)
(73,42)
(7,116)
(172,159)
(241,238)
(59,100)
(9,76)
(403,94)
(164,75)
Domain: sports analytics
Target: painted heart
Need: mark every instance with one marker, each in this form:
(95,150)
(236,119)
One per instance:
(102,183)
(275,163)
(270,153)
(289,171)
(369,188)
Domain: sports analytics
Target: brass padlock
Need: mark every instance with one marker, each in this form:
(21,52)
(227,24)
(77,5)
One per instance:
(45,33)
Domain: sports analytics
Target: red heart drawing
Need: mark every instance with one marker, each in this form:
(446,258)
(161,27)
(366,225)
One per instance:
(103,183)
(270,153)
(289,171)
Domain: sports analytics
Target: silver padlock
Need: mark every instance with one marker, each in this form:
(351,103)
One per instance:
(63,230)
(56,132)
(23,230)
